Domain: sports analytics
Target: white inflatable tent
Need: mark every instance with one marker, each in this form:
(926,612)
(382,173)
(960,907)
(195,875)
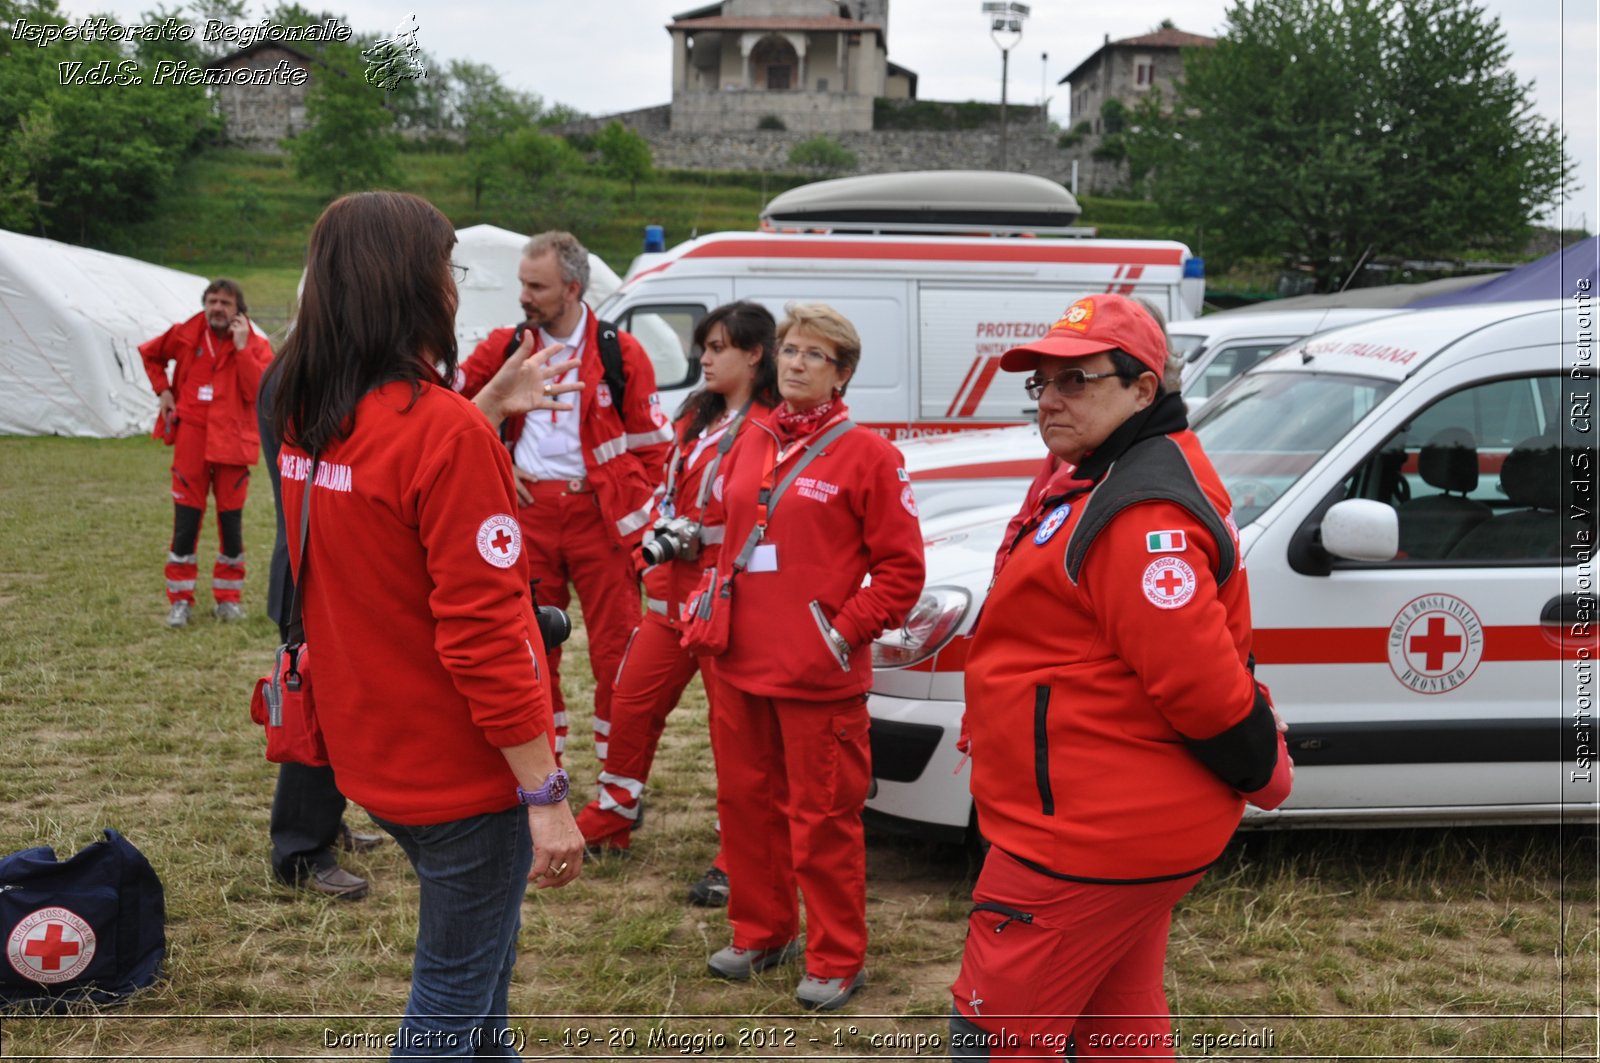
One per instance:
(71,321)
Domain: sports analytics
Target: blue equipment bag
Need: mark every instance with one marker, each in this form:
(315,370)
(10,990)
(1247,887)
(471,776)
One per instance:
(92,928)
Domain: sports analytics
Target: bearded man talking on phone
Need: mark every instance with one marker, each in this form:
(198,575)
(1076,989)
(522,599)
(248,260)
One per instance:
(208,417)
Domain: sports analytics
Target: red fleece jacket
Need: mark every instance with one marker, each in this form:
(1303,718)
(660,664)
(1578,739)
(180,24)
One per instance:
(416,603)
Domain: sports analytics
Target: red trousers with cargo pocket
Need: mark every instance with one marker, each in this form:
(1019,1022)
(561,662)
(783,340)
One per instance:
(792,779)
(193,478)
(566,539)
(1047,959)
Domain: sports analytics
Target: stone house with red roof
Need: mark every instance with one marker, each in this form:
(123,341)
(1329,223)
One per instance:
(1121,73)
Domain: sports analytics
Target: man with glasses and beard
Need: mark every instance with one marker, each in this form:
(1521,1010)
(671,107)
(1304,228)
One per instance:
(1116,727)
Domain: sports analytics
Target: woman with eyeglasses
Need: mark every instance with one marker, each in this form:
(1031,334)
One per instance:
(736,342)
(1117,730)
(430,666)
(821,529)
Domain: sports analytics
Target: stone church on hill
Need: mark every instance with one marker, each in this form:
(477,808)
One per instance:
(813,65)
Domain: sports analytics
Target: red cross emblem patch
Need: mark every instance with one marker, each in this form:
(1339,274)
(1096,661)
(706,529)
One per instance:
(51,945)
(500,540)
(1435,643)
(1168,582)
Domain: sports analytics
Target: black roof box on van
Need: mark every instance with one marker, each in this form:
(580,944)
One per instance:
(928,201)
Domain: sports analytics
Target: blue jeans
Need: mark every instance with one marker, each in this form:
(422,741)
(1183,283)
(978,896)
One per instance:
(474,873)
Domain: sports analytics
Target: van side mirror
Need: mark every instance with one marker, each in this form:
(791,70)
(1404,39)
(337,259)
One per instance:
(1352,529)
(1361,529)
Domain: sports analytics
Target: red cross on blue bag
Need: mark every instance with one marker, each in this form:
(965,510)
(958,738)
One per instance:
(90,928)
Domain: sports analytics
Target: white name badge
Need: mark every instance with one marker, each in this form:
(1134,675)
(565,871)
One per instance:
(765,558)
(205,392)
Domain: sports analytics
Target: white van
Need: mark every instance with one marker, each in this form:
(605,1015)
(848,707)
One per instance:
(935,312)
(1416,503)
(970,469)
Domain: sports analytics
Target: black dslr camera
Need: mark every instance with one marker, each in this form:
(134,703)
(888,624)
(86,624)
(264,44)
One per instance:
(555,626)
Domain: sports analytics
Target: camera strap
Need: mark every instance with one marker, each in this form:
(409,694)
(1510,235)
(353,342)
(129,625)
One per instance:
(767,499)
(724,445)
(293,625)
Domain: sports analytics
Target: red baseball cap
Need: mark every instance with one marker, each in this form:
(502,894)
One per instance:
(1093,324)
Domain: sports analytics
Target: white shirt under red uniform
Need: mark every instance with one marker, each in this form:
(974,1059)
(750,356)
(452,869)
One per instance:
(583,528)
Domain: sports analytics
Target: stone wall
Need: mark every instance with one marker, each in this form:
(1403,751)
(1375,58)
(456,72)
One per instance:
(259,116)
(800,112)
(1031,148)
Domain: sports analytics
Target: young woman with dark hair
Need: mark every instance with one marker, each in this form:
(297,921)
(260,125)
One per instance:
(741,383)
(415,595)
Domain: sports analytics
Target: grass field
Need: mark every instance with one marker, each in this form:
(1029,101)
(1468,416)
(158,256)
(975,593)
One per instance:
(1465,943)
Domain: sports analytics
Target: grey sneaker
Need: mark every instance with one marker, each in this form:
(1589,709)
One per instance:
(739,964)
(827,994)
(178,615)
(229,612)
(711,891)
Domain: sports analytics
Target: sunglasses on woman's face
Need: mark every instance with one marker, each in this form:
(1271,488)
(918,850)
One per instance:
(1068,382)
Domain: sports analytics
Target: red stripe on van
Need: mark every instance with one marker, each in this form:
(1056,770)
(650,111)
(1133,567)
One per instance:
(1357,645)
(1001,251)
(986,470)
(975,396)
(956,399)
(1350,645)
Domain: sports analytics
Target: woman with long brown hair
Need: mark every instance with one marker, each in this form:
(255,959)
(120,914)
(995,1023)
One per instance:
(415,595)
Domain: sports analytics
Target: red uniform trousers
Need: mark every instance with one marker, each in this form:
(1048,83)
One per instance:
(1089,964)
(650,683)
(567,540)
(192,479)
(792,779)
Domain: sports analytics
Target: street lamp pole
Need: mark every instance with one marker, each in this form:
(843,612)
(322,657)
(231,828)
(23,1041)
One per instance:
(1005,20)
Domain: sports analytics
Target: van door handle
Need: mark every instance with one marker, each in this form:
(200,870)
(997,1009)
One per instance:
(1566,608)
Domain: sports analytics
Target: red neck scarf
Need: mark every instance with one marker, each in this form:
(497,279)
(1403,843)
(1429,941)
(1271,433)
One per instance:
(797,424)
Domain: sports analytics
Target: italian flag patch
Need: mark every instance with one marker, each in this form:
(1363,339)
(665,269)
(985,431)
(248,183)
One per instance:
(1165,542)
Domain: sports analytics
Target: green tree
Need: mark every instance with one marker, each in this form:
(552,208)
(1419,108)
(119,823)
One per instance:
(822,155)
(483,111)
(526,158)
(349,142)
(624,154)
(1323,128)
(87,140)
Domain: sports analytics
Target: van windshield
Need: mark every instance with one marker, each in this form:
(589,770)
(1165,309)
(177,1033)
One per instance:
(1268,429)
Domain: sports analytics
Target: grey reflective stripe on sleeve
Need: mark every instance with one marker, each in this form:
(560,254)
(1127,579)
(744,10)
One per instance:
(645,439)
(635,520)
(611,448)
(602,727)
(712,536)
(226,584)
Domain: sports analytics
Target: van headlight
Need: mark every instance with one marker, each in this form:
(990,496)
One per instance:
(934,620)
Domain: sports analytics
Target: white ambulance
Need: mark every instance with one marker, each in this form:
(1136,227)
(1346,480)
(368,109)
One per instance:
(965,470)
(1415,498)
(935,311)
